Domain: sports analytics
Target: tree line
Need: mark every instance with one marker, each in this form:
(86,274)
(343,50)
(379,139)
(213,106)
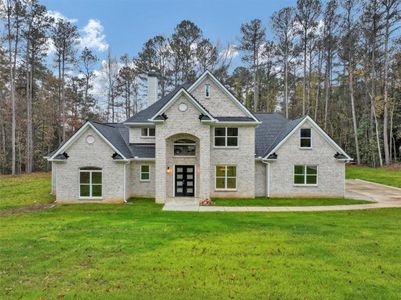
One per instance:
(338,61)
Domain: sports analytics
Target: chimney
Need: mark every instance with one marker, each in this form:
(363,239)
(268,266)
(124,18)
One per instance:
(152,88)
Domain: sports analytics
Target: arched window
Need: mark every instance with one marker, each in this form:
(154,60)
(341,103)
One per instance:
(90,183)
(184,147)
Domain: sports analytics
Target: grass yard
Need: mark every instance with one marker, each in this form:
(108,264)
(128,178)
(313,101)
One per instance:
(19,191)
(137,251)
(386,175)
(287,202)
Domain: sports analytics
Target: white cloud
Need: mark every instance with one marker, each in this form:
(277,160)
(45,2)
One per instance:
(58,15)
(93,37)
(230,52)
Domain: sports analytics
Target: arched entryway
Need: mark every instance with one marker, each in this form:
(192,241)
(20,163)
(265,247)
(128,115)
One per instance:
(182,159)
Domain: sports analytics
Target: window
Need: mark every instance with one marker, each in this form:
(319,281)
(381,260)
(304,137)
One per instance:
(225,137)
(226,177)
(148,132)
(90,183)
(306,138)
(184,148)
(207,90)
(305,175)
(145,173)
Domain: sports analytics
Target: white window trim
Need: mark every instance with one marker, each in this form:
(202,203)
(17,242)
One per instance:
(225,179)
(184,144)
(305,175)
(301,138)
(207,90)
(226,136)
(147,136)
(90,185)
(140,173)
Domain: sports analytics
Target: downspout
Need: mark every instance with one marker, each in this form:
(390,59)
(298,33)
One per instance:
(268,181)
(125,183)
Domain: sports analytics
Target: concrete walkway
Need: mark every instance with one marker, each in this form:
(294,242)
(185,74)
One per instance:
(382,196)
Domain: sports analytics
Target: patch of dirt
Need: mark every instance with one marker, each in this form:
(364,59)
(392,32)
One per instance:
(26,209)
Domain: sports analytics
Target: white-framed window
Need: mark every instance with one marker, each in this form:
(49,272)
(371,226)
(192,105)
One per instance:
(90,183)
(148,132)
(305,175)
(184,147)
(225,137)
(145,173)
(226,178)
(207,90)
(305,138)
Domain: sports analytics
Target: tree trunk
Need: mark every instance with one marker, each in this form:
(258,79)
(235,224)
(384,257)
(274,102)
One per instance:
(29,129)
(256,90)
(304,79)
(13,51)
(351,91)
(319,65)
(387,157)
(286,84)
(63,97)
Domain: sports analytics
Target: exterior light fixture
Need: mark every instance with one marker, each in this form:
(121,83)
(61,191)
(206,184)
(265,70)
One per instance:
(168,170)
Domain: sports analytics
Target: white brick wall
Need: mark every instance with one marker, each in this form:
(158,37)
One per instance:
(218,104)
(82,154)
(138,188)
(243,157)
(260,179)
(177,123)
(331,173)
(135,136)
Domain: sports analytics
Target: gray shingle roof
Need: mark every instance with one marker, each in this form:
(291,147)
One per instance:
(272,131)
(143,150)
(116,134)
(234,119)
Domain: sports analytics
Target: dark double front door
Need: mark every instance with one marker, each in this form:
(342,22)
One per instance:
(184,181)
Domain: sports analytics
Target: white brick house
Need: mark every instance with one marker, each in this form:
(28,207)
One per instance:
(199,141)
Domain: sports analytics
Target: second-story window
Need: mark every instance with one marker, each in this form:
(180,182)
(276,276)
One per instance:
(207,90)
(305,138)
(225,137)
(148,132)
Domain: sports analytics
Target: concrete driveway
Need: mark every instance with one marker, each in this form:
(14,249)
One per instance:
(382,196)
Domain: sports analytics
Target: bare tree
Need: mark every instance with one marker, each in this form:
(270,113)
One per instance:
(64,36)
(306,14)
(348,44)
(391,18)
(251,42)
(14,11)
(283,26)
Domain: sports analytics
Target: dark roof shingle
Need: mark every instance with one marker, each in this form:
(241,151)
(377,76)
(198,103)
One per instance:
(272,131)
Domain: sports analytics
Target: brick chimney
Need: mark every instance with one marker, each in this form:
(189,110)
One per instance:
(153,85)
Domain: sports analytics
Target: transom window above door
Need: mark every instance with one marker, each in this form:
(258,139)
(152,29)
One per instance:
(184,147)
(148,132)
(225,137)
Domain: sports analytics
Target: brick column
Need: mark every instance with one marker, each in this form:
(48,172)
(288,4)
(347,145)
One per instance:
(204,166)
(160,170)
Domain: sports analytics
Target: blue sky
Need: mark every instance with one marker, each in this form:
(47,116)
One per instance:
(125,25)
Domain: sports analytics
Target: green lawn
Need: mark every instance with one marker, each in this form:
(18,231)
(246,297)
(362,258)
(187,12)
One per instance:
(386,175)
(137,251)
(18,191)
(286,202)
